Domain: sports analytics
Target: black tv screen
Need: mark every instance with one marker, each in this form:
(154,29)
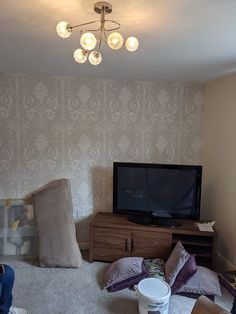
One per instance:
(160,190)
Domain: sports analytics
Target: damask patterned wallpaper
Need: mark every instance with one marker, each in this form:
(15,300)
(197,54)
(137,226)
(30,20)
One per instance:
(53,127)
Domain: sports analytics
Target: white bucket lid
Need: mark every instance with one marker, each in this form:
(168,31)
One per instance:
(154,289)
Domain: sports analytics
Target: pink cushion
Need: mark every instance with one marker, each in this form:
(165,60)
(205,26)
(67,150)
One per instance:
(185,273)
(204,281)
(175,262)
(123,269)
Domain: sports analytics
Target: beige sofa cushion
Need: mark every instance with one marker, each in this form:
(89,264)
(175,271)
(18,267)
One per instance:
(53,209)
(206,306)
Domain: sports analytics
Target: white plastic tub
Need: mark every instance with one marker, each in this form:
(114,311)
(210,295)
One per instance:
(153,295)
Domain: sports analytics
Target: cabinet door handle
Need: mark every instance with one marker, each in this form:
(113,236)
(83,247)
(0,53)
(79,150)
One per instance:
(132,244)
(126,244)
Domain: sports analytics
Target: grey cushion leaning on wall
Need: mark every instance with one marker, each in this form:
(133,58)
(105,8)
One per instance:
(53,209)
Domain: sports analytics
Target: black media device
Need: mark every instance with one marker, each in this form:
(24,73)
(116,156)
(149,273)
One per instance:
(157,194)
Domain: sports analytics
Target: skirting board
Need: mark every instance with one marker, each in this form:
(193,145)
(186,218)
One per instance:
(9,258)
(223,263)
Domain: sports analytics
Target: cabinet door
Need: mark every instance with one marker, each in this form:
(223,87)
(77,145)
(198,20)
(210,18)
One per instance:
(111,244)
(151,244)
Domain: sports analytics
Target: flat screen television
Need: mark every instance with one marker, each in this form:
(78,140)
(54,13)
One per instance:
(157,193)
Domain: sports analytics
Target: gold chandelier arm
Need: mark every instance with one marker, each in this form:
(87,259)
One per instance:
(83,24)
(90,30)
(100,40)
(112,28)
(105,35)
(97,29)
(102,28)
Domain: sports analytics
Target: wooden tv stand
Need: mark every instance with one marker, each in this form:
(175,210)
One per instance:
(113,237)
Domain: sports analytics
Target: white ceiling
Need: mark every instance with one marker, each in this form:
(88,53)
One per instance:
(180,40)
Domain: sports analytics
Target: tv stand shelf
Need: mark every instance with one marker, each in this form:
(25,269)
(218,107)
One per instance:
(114,236)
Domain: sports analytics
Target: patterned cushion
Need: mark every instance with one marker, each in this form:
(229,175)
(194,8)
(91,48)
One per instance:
(155,268)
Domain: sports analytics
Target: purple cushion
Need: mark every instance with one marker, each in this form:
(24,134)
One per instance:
(175,262)
(122,270)
(128,282)
(186,272)
(204,281)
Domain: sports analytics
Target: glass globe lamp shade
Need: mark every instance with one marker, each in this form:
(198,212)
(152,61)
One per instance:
(63,29)
(95,57)
(80,55)
(115,41)
(131,43)
(88,41)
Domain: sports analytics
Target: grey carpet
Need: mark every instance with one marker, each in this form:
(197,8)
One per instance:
(78,291)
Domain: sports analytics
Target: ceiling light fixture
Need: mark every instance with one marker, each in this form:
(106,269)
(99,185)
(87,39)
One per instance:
(106,30)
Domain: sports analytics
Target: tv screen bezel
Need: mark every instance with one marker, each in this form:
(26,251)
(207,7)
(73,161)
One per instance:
(198,169)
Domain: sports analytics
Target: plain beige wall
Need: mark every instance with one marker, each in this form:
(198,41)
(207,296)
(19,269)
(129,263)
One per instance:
(219,162)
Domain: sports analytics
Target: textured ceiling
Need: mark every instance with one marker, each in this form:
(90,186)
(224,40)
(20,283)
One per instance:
(183,40)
